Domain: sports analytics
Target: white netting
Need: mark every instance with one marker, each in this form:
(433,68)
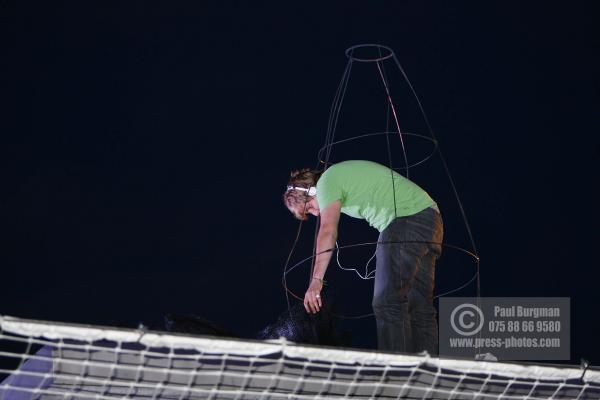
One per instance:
(40,360)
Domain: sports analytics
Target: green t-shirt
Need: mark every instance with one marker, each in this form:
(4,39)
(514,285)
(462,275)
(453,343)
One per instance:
(366,191)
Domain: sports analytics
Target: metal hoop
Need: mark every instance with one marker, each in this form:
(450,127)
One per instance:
(435,146)
(471,254)
(350,52)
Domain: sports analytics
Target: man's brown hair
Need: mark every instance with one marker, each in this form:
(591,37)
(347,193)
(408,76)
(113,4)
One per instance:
(295,200)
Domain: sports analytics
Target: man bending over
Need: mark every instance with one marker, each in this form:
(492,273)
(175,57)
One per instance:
(410,239)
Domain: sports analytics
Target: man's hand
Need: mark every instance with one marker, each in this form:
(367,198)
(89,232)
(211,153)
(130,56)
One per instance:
(312,298)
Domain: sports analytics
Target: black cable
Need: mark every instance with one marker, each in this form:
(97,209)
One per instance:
(467,226)
(287,262)
(391,103)
(389,148)
(336,110)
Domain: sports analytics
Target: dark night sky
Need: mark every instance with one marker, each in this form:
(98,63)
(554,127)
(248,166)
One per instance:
(144,149)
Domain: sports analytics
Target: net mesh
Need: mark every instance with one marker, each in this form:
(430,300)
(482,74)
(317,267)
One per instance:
(41,360)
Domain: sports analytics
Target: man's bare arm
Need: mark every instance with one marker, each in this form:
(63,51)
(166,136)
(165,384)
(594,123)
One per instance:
(326,238)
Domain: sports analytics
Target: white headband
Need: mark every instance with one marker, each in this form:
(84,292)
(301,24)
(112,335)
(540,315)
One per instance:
(312,191)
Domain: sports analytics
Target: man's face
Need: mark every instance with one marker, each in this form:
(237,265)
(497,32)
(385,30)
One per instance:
(301,211)
(312,207)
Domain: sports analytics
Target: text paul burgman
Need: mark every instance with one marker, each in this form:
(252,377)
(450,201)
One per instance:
(526,312)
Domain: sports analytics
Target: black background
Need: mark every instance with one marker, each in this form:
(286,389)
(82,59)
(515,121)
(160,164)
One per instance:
(145,147)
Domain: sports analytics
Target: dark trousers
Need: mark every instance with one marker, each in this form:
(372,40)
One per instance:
(404,283)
